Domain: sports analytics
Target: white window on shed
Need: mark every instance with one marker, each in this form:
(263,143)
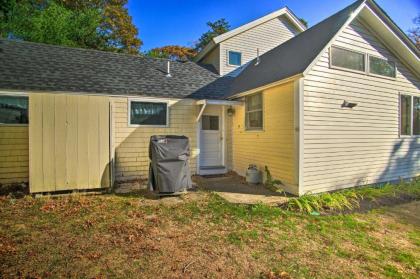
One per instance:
(13,110)
(148,113)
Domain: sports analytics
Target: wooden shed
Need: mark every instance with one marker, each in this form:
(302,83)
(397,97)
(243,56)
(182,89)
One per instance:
(69,142)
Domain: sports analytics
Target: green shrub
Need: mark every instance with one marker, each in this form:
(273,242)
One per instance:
(349,199)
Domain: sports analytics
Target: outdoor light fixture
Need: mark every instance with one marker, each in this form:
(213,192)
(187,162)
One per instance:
(346,104)
(230,111)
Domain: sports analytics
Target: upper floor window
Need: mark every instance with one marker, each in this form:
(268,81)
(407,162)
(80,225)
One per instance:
(254,112)
(383,67)
(235,58)
(148,113)
(13,110)
(347,59)
(409,115)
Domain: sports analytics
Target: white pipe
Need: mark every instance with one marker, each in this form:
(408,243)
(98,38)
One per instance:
(258,57)
(168,71)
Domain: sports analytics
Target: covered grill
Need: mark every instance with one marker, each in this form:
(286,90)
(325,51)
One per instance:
(169,170)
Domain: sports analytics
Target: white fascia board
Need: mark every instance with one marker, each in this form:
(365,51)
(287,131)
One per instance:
(390,22)
(219,102)
(252,24)
(391,39)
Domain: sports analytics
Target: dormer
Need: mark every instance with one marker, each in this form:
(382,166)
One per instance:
(229,52)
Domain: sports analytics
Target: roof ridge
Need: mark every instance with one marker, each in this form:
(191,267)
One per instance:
(92,50)
(308,43)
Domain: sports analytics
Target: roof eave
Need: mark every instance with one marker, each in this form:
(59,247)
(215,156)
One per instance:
(209,47)
(264,87)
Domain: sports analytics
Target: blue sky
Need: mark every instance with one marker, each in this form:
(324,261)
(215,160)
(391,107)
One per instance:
(181,22)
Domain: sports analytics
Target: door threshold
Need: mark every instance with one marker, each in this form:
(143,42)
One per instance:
(208,170)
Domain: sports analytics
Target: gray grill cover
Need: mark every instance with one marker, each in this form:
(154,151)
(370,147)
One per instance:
(169,171)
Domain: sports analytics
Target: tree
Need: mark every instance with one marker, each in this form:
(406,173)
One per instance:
(54,24)
(172,52)
(97,24)
(414,33)
(116,27)
(304,22)
(217,28)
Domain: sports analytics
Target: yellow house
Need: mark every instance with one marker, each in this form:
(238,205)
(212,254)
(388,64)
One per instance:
(333,106)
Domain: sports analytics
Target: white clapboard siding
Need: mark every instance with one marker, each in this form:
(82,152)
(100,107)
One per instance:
(265,36)
(349,147)
(131,144)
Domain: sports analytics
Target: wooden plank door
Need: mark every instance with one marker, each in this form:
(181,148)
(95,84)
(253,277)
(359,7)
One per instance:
(69,142)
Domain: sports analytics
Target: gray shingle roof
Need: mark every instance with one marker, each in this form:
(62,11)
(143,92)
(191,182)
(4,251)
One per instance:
(33,66)
(293,56)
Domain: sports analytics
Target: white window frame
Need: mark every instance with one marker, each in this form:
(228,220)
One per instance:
(258,129)
(347,69)
(228,58)
(366,58)
(411,135)
(15,94)
(377,75)
(148,101)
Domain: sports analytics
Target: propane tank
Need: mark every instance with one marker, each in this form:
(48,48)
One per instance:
(253,175)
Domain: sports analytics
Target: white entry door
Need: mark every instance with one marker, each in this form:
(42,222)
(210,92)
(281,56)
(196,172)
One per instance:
(211,141)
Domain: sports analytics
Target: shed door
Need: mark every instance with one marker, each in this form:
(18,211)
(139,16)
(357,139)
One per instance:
(69,142)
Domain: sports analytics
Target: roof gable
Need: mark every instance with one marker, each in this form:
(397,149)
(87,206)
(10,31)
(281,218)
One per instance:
(297,55)
(223,37)
(293,56)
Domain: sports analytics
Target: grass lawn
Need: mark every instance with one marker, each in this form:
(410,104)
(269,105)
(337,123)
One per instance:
(202,236)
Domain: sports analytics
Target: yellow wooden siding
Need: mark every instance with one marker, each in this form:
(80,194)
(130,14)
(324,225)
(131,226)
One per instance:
(14,150)
(275,145)
(69,142)
(131,144)
(265,37)
(213,58)
(349,147)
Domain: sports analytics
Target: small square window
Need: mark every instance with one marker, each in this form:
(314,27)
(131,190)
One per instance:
(210,122)
(235,58)
(148,113)
(13,110)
